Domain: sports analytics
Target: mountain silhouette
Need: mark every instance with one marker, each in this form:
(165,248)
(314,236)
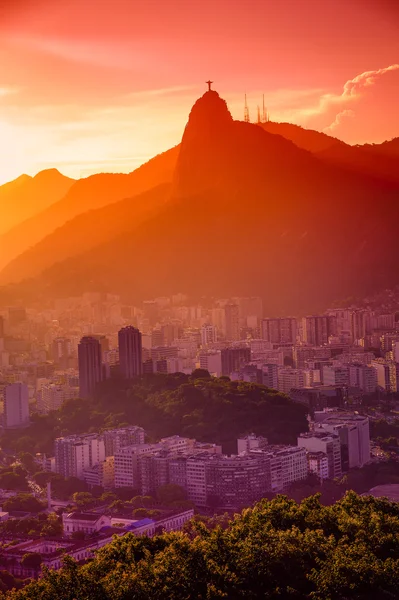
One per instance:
(86,231)
(86,194)
(308,139)
(249,212)
(27,196)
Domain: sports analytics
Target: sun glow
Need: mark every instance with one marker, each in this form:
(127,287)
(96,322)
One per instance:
(10,159)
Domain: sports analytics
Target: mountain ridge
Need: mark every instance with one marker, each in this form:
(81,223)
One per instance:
(27,196)
(87,194)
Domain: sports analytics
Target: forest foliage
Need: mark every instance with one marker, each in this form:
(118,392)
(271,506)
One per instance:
(207,409)
(276,550)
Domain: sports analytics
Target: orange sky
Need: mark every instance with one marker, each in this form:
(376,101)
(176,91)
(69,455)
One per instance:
(89,85)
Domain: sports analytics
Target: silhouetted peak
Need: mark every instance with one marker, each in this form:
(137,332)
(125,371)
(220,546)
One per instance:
(49,174)
(210,110)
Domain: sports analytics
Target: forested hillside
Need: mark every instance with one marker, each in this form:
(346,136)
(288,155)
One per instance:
(207,409)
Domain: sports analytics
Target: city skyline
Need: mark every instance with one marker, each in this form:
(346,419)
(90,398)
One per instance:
(82,89)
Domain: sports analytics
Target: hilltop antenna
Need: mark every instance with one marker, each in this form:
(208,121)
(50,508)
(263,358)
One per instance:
(246,111)
(265,116)
(259,121)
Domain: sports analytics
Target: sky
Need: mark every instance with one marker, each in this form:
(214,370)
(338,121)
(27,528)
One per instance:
(95,85)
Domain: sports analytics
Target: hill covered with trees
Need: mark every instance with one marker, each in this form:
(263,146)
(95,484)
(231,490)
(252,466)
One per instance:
(198,406)
(276,550)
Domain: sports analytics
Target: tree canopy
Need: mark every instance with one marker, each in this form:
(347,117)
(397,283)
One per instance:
(276,550)
(206,408)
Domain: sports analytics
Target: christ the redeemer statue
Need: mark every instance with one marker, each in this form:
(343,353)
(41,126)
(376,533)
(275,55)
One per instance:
(209,85)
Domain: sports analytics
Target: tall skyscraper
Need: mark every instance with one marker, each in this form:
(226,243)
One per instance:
(130,352)
(90,365)
(16,405)
(317,329)
(279,331)
(233,359)
(232,313)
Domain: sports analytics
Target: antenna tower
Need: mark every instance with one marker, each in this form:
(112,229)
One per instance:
(259,121)
(265,116)
(246,111)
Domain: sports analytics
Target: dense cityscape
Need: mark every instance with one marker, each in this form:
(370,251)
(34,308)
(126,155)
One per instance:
(340,367)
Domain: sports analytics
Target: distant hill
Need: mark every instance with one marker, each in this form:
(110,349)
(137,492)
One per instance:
(389,148)
(378,160)
(308,139)
(27,196)
(86,231)
(86,194)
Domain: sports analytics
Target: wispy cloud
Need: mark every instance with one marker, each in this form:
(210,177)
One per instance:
(125,55)
(355,86)
(353,90)
(341,116)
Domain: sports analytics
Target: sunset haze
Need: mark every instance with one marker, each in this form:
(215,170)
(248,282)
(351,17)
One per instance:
(88,88)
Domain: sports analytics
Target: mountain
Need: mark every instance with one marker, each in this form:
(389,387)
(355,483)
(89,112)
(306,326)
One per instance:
(86,231)
(308,139)
(379,160)
(389,149)
(85,195)
(250,213)
(27,196)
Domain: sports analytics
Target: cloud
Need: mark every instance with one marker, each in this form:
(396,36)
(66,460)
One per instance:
(341,116)
(354,87)
(362,111)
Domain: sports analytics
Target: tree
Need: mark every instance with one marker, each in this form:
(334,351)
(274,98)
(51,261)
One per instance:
(108,497)
(277,549)
(170,493)
(142,501)
(116,506)
(23,503)
(200,374)
(83,499)
(12,480)
(140,513)
(27,460)
(31,560)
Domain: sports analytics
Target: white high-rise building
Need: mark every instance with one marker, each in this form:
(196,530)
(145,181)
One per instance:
(363,377)
(386,374)
(76,453)
(208,335)
(251,442)
(335,375)
(212,362)
(196,479)
(354,437)
(16,405)
(121,437)
(290,378)
(127,464)
(53,396)
(329,444)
